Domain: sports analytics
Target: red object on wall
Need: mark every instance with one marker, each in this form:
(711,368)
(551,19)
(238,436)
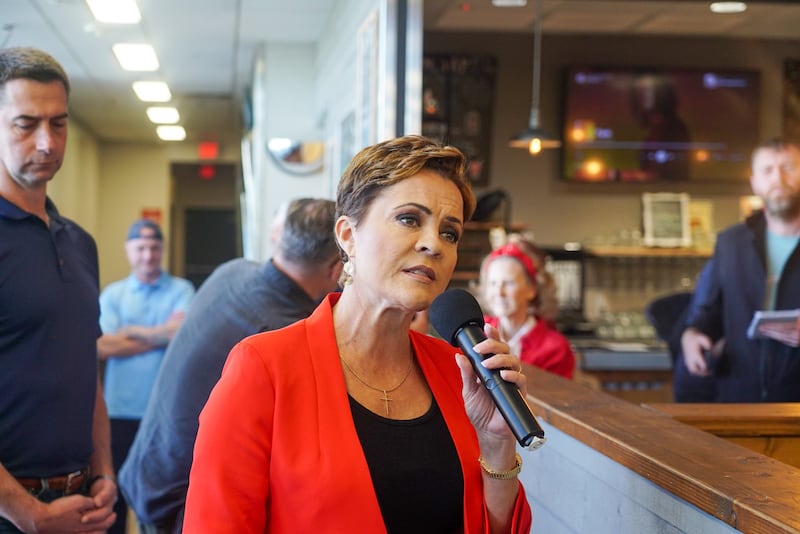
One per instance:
(208,150)
(152,214)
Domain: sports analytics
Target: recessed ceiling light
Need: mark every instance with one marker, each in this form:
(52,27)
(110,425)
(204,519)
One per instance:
(163,114)
(171,133)
(115,11)
(136,57)
(509,3)
(152,91)
(728,7)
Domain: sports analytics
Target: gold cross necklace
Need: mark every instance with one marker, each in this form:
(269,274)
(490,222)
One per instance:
(386,399)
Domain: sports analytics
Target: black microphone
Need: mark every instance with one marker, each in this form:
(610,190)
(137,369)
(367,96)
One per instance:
(457,317)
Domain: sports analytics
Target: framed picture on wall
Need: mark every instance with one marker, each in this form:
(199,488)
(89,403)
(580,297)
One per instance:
(665,220)
(457,100)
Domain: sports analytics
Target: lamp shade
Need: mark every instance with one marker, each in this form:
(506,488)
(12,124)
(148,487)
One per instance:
(533,139)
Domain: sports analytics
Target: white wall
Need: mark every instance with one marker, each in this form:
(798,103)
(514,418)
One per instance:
(283,106)
(75,188)
(303,92)
(337,78)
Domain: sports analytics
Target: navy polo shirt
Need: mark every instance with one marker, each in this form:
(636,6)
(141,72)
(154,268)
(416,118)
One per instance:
(49,325)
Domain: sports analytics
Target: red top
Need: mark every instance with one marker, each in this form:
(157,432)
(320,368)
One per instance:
(545,347)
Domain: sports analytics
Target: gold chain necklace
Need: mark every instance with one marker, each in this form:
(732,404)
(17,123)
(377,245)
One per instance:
(386,400)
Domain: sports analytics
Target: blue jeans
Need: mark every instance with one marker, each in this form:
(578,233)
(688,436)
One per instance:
(6,527)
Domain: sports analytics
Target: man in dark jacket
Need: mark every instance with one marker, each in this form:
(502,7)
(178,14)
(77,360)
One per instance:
(756,267)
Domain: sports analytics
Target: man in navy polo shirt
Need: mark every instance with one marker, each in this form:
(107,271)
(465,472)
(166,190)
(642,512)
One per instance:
(55,459)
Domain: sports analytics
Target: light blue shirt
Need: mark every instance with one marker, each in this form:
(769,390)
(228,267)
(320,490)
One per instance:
(128,381)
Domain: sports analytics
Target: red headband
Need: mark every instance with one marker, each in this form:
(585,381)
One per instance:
(513,251)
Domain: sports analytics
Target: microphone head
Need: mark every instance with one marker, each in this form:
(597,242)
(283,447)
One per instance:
(452,310)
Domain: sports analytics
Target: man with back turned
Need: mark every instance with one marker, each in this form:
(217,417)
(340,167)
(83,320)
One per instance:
(55,460)
(239,299)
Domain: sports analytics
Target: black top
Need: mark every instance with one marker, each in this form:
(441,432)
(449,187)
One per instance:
(415,471)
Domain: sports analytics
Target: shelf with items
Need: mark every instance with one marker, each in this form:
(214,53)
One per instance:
(649,252)
(640,278)
(609,284)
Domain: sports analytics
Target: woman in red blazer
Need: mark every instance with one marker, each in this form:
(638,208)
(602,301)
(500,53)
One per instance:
(522,297)
(349,421)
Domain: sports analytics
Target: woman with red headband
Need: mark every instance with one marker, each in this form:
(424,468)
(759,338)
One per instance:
(521,296)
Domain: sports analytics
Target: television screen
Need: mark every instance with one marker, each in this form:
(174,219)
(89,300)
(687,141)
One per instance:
(636,125)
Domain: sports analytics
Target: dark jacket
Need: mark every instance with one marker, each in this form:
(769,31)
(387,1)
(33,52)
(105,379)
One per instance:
(761,370)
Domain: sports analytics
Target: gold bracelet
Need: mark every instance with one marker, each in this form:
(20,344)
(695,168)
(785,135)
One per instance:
(501,475)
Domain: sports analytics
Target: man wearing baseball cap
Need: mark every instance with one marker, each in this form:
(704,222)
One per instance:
(139,315)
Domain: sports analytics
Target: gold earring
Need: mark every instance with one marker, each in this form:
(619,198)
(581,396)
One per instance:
(348,271)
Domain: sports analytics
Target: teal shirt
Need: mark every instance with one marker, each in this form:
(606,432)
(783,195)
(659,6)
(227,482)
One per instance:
(779,248)
(128,381)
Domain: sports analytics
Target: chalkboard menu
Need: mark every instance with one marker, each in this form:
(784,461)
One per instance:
(457,101)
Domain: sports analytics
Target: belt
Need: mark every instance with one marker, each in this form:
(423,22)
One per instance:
(70,483)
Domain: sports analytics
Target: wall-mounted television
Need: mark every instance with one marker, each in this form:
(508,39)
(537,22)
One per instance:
(665,124)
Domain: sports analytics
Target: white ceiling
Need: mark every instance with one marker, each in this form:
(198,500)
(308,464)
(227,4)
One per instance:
(206,47)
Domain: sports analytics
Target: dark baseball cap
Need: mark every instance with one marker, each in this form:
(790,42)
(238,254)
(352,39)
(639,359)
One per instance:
(145,228)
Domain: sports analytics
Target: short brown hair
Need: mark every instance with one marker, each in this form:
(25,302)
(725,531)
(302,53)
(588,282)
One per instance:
(389,162)
(32,64)
(774,143)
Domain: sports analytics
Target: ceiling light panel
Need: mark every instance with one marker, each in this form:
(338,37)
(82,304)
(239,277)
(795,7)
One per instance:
(163,114)
(728,7)
(115,11)
(152,91)
(136,57)
(171,133)
(509,3)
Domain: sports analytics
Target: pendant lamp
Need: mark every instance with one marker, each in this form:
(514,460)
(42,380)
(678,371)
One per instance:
(533,138)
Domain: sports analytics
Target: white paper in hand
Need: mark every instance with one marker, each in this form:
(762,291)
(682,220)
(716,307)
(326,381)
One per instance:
(766,317)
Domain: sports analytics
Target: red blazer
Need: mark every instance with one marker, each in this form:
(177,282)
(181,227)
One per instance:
(545,347)
(277,450)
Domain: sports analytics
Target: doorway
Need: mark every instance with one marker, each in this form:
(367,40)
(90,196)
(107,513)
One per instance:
(209,241)
(206,229)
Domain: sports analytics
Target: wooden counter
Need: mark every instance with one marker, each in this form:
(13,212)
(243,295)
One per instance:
(772,429)
(741,488)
